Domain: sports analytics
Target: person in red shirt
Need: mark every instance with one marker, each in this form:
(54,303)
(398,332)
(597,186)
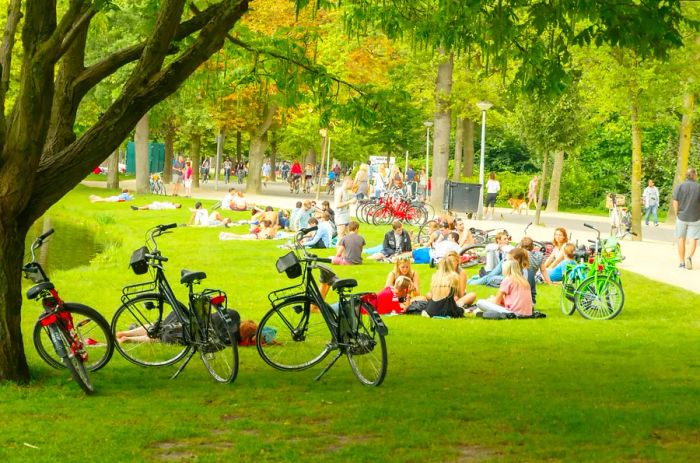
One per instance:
(395,298)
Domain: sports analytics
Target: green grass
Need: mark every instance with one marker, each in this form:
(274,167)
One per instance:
(555,389)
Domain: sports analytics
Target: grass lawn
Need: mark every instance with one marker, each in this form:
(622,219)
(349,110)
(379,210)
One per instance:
(554,389)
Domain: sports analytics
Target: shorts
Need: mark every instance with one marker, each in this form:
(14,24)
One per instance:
(490,200)
(178,179)
(687,229)
(342,217)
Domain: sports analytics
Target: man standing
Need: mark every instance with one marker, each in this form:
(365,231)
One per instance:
(179,173)
(266,171)
(686,203)
(650,196)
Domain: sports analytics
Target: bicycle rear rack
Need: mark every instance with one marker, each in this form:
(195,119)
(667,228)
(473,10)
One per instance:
(128,292)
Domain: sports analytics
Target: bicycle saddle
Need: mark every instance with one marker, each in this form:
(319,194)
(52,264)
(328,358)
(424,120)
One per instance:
(34,291)
(187,277)
(344,283)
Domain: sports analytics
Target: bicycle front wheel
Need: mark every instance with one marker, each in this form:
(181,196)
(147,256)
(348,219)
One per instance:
(293,335)
(600,297)
(63,344)
(219,353)
(366,348)
(91,329)
(143,335)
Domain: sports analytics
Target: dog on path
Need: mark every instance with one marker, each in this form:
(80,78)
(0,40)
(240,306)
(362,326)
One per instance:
(518,204)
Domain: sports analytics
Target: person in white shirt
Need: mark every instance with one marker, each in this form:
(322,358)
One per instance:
(202,218)
(450,243)
(651,202)
(492,188)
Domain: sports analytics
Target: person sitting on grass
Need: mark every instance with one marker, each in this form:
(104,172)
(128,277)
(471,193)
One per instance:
(350,247)
(536,263)
(465,235)
(295,216)
(402,267)
(321,239)
(496,252)
(396,241)
(202,218)
(443,300)
(157,206)
(121,197)
(556,274)
(395,298)
(267,214)
(264,231)
(441,249)
(556,256)
(513,295)
(495,276)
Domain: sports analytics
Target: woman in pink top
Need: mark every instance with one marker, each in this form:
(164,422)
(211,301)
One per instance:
(513,295)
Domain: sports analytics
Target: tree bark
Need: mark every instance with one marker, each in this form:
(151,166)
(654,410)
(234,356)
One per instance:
(169,154)
(459,138)
(684,139)
(273,156)
(113,170)
(195,151)
(468,148)
(636,180)
(258,145)
(141,156)
(557,169)
(239,141)
(441,140)
(540,194)
(311,157)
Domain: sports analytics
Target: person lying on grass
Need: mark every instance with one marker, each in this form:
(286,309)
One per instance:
(513,295)
(264,231)
(121,197)
(202,218)
(157,206)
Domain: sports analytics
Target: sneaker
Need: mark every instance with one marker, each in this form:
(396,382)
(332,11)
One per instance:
(689,263)
(425,314)
(681,265)
(656,224)
(134,208)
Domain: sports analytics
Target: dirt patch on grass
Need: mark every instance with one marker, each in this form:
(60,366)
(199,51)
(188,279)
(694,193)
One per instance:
(474,453)
(187,449)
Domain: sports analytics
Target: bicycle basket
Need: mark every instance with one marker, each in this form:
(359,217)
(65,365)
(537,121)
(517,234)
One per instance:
(139,261)
(290,265)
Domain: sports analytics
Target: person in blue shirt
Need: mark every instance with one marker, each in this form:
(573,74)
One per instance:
(322,237)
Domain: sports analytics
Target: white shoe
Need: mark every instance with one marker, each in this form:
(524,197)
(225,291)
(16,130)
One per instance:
(423,313)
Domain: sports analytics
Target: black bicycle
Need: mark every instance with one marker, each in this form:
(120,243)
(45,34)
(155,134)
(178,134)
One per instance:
(67,334)
(153,328)
(301,329)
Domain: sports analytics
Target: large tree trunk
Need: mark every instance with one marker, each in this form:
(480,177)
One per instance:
(459,137)
(141,155)
(169,154)
(540,195)
(258,145)
(684,138)
(41,157)
(636,180)
(195,150)
(310,157)
(441,141)
(273,156)
(239,142)
(113,170)
(468,148)
(557,169)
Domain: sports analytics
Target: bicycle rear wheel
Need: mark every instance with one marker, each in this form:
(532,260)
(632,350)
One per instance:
(366,348)
(381,214)
(416,215)
(292,336)
(220,351)
(159,343)
(92,330)
(600,297)
(473,255)
(63,343)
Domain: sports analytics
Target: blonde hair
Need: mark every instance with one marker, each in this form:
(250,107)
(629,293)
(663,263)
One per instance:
(362,173)
(453,257)
(445,276)
(402,282)
(512,269)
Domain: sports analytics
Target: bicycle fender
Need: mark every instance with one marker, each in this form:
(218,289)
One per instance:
(382,328)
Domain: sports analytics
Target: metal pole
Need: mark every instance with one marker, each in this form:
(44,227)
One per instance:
(405,169)
(480,212)
(328,153)
(219,151)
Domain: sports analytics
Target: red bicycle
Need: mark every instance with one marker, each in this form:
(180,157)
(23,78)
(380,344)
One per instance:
(397,207)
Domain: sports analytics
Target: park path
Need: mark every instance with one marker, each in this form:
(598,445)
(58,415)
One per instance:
(655,257)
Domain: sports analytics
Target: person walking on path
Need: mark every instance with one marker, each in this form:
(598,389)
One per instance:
(686,203)
(266,171)
(650,196)
(493,186)
(532,192)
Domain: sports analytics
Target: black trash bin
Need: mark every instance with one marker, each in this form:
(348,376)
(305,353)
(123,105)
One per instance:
(461,197)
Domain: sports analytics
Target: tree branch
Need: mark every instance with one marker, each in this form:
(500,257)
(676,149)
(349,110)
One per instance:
(98,71)
(14,14)
(84,21)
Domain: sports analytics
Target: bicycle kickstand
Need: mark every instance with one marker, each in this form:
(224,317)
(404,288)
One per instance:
(184,364)
(328,367)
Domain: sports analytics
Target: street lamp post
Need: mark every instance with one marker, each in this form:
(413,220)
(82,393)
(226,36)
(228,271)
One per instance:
(483,106)
(427,125)
(323,133)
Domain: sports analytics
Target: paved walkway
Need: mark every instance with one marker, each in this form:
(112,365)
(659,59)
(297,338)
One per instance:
(655,257)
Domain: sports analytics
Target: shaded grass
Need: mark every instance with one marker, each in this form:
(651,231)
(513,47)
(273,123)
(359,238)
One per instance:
(556,389)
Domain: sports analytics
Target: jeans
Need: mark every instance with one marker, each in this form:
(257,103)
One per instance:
(652,210)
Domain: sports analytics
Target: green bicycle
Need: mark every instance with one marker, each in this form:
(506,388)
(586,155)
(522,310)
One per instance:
(598,295)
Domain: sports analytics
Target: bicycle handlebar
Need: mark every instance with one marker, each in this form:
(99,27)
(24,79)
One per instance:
(587,225)
(162,228)
(45,235)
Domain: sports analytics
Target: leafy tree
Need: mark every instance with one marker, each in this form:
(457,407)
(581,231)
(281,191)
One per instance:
(42,156)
